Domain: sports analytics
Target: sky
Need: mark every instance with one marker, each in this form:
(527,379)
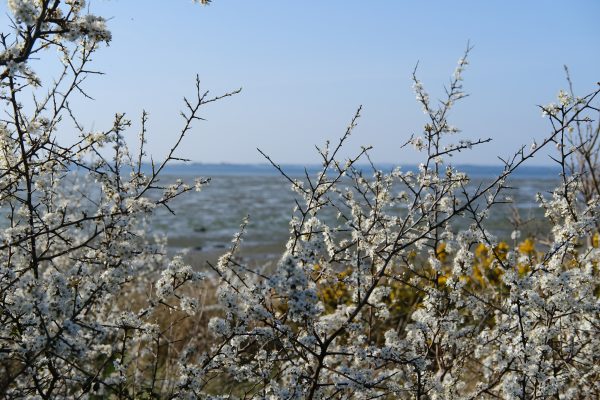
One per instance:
(305,66)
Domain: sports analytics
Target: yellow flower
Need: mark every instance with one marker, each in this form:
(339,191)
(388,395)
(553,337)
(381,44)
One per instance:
(523,269)
(441,253)
(502,250)
(442,280)
(481,251)
(527,247)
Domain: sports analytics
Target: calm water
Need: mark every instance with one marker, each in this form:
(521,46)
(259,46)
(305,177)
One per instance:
(208,220)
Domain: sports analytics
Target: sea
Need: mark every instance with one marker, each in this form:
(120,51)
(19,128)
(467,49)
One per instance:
(208,220)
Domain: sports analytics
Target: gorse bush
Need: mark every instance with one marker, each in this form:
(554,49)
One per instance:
(391,301)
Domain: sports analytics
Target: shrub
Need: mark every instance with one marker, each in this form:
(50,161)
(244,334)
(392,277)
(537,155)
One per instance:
(424,311)
(391,301)
(82,284)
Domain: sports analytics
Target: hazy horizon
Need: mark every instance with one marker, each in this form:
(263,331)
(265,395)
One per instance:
(263,169)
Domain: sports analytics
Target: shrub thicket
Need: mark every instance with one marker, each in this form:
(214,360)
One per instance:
(391,301)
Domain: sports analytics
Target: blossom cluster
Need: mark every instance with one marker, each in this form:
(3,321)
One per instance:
(86,293)
(394,302)
(391,300)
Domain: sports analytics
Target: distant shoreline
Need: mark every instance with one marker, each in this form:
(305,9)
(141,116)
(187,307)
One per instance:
(227,169)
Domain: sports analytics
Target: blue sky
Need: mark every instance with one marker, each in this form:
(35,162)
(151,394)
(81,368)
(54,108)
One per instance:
(305,66)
